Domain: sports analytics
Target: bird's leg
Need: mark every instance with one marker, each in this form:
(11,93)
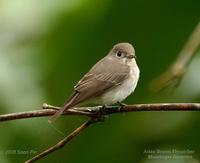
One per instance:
(101,113)
(121,104)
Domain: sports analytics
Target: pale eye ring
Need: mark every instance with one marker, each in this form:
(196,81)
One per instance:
(119,54)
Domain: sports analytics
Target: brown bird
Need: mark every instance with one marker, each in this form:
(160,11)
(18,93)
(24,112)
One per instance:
(109,81)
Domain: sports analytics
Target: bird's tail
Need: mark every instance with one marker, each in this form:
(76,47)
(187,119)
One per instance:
(71,102)
(54,117)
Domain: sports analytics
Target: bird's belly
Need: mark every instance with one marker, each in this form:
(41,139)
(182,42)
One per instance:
(120,92)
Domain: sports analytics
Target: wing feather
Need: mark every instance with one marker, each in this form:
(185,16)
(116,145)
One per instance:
(100,78)
(103,76)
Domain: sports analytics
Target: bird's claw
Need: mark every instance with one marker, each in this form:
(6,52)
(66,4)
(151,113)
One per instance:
(121,104)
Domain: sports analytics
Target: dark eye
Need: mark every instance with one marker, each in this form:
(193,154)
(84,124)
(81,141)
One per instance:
(119,53)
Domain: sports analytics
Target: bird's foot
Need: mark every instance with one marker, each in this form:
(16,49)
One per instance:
(121,104)
(101,114)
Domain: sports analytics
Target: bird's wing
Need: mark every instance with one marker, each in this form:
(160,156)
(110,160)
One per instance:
(96,85)
(104,75)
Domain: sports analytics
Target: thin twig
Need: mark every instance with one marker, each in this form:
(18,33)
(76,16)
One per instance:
(175,72)
(46,111)
(63,142)
(93,111)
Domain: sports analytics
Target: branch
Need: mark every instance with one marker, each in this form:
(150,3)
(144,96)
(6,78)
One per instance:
(176,71)
(96,114)
(62,143)
(49,110)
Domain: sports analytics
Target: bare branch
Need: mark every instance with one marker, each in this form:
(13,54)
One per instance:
(63,142)
(94,111)
(175,72)
(96,114)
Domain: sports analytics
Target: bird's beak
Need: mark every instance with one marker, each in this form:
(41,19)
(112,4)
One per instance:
(131,56)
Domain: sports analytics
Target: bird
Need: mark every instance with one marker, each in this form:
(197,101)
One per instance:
(109,81)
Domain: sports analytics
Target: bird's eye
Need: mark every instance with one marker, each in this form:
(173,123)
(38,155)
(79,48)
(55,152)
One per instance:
(119,54)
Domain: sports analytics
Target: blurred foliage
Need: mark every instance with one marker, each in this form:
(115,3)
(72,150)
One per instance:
(45,48)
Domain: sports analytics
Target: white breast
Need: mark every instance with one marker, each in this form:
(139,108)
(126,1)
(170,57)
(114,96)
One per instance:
(123,90)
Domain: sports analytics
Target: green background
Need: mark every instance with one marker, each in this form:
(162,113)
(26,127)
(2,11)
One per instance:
(45,48)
